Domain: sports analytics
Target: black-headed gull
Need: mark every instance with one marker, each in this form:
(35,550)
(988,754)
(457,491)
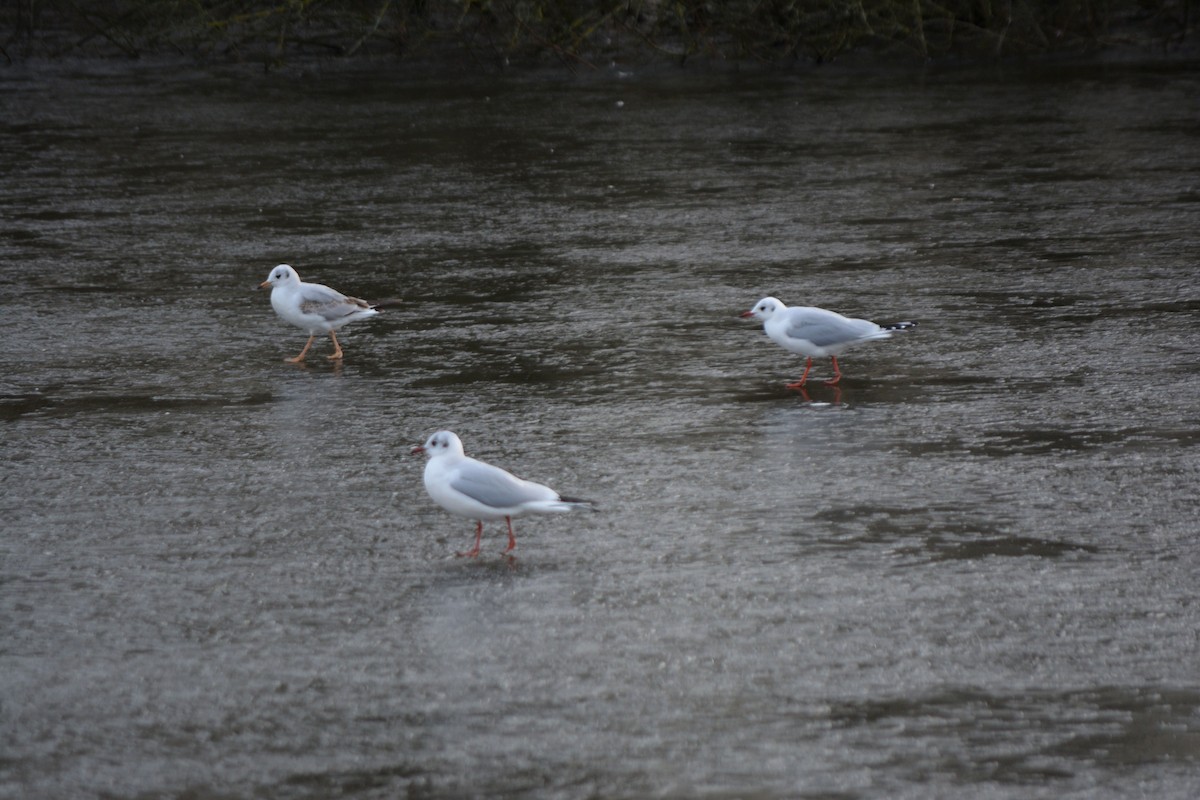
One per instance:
(816,332)
(479,491)
(313,307)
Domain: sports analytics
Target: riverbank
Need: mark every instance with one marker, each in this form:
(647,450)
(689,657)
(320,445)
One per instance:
(584,36)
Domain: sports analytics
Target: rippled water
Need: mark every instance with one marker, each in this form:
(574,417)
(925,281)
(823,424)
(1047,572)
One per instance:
(970,572)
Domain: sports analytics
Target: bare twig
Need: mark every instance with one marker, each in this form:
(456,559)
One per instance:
(378,19)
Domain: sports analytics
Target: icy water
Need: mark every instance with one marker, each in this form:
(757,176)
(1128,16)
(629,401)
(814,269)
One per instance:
(969,572)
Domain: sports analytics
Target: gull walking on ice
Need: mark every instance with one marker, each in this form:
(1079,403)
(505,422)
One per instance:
(816,332)
(313,307)
(479,491)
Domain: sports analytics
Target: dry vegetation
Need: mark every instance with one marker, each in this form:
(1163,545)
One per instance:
(583,33)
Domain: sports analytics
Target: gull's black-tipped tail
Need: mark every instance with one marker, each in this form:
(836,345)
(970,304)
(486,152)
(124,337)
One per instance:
(391,302)
(579,502)
(899,326)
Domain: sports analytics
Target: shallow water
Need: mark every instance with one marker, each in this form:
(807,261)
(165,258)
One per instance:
(970,571)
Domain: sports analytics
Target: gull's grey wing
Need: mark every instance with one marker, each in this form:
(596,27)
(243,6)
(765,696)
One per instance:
(496,488)
(825,328)
(329,303)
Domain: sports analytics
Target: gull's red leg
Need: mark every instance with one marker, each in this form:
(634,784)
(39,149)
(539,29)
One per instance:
(303,352)
(803,378)
(512,540)
(837,372)
(337,348)
(474,551)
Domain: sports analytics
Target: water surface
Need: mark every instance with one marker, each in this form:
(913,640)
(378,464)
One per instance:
(969,571)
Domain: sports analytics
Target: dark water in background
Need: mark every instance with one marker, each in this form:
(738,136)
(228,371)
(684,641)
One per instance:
(972,572)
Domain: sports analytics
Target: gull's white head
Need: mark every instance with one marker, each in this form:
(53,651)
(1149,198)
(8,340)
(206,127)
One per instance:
(280,276)
(441,443)
(764,309)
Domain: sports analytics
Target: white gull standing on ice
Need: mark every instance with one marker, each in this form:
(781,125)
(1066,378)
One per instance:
(470,488)
(816,332)
(313,307)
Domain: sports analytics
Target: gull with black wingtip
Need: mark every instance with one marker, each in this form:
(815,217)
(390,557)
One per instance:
(470,488)
(817,332)
(314,307)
